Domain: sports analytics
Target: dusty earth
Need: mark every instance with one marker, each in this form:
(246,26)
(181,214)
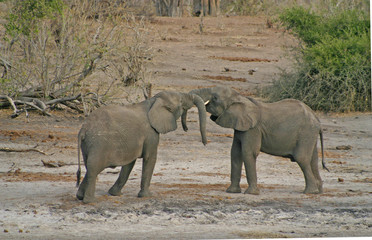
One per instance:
(189,182)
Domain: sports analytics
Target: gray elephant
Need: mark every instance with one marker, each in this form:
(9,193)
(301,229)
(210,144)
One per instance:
(117,135)
(287,128)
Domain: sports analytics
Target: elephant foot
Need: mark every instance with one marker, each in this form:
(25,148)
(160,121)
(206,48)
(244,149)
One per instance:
(234,189)
(252,190)
(312,191)
(87,200)
(114,192)
(144,193)
(79,196)
(320,188)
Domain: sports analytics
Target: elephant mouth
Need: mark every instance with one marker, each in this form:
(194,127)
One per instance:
(213,118)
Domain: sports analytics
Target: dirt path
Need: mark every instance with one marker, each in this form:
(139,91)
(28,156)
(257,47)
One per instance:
(190,179)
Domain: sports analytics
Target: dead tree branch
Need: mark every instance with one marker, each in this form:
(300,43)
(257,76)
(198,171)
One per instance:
(61,100)
(11,102)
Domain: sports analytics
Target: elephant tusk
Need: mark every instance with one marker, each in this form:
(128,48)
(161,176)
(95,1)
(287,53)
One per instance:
(206,102)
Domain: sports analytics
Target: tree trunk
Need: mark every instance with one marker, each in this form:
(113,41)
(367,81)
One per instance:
(169,8)
(175,8)
(206,7)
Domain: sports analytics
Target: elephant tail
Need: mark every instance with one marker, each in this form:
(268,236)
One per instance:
(322,148)
(78,173)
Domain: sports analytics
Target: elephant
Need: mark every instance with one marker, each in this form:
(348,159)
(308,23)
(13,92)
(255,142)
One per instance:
(287,128)
(116,135)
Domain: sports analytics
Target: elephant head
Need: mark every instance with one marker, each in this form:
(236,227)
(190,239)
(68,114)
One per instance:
(229,109)
(167,107)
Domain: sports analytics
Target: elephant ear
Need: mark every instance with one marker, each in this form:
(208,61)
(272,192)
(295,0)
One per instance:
(240,116)
(161,118)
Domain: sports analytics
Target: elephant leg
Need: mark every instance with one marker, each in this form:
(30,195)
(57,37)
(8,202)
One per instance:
(236,167)
(81,191)
(147,171)
(90,188)
(315,169)
(251,173)
(251,144)
(115,190)
(149,159)
(93,167)
(311,185)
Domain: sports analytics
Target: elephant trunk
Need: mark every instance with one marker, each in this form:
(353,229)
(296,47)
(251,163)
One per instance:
(198,102)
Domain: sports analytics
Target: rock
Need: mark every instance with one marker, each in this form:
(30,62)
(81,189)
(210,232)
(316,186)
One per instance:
(344,147)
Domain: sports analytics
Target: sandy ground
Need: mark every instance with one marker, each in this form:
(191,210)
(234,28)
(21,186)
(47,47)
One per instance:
(189,182)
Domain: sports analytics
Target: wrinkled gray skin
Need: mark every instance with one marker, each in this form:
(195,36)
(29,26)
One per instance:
(117,135)
(287,128)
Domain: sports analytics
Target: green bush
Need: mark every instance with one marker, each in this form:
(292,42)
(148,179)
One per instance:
(303,23)
(333,70)
(25,15)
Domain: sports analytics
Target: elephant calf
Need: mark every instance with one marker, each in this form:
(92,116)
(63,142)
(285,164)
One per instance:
(287,128)
(117,135)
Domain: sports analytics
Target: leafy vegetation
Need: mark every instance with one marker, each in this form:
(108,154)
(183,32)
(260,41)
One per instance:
(333,64)
(275,7)
(26,15)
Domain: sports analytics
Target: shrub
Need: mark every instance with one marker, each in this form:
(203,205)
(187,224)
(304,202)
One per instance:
(26,14)
(333,70)
(77,54)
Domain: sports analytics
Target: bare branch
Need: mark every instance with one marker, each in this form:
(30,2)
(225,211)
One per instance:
(72,106)
(6,149)
(31,104)
(15,110)
(6,65)
(65,99)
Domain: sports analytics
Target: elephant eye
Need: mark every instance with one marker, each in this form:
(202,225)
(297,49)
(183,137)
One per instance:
(214,98)
(168,108)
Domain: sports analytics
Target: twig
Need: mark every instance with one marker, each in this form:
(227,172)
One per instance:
(99,103)
(6,149)
(86,72)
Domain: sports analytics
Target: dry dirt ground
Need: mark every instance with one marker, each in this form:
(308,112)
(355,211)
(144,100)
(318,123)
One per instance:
(189,182)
